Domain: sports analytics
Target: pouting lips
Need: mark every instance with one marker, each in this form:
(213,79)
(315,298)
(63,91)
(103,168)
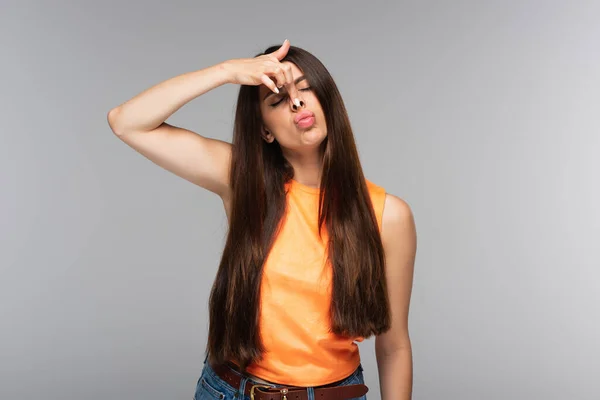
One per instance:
(306,122)
(304,115)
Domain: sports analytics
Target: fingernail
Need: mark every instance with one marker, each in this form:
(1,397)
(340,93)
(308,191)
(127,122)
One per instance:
(276,90)
(297,102)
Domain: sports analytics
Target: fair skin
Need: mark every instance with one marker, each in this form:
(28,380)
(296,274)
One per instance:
(393,348)
(140,123)
(300,146)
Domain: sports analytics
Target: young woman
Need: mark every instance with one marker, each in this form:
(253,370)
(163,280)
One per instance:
(317,257)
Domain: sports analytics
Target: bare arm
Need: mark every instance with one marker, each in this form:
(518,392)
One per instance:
(393,348)
(139,122)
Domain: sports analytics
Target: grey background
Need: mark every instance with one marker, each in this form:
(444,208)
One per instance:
(484,116)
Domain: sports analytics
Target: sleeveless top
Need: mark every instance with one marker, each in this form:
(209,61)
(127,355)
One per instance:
(295,298)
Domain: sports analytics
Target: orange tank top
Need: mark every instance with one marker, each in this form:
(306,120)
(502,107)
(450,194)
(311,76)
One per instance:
(295,299)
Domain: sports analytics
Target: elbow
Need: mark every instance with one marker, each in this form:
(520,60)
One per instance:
(388,345)
(113,120)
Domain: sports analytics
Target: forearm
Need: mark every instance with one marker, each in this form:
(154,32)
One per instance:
(153,106)
(396,374)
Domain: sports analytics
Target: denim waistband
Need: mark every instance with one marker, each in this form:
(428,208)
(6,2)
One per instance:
(211,383)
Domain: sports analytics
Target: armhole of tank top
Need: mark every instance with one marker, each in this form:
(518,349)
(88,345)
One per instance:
(378,194)
(381,200)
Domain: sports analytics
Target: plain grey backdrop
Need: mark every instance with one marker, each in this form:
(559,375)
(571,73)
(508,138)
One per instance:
(483,115)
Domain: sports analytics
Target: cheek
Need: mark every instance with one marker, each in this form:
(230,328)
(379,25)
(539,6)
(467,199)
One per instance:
(321,114)
(269,115)
(313,103)
(274,119)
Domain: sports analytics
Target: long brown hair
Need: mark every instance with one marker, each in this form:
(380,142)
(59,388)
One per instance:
(259,171)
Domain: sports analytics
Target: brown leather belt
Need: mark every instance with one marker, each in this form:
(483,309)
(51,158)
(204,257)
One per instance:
(264,392)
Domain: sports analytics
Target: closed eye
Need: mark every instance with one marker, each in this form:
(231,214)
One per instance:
(283,97)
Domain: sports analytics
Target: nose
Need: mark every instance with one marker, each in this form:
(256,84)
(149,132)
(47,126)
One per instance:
(295,107)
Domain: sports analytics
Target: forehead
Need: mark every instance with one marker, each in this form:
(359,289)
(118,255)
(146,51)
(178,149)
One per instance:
(296,72)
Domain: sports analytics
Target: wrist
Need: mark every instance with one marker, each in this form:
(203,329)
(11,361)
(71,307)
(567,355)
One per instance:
(226,71)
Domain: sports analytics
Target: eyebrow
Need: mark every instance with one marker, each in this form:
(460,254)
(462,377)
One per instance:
(298,80)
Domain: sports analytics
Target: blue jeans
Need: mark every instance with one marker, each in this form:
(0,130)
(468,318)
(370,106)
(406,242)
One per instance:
(211,387)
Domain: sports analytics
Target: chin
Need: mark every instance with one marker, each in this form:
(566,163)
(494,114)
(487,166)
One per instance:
(315,133)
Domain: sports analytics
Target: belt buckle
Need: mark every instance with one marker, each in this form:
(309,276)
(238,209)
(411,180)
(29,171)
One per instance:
(255,386)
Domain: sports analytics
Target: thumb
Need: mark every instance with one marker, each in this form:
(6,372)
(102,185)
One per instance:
(282,51)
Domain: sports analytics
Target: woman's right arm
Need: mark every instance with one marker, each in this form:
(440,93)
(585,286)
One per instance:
(139,122)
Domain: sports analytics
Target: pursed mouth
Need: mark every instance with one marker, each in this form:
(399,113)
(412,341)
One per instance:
(304,115)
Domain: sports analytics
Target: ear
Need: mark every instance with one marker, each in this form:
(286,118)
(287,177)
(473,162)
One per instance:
(267,135)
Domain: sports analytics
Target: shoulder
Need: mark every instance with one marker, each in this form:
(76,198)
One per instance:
(396,209)
(394,214)
(398,219)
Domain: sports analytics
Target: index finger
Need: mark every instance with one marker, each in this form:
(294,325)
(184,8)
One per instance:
(290,87)
(292,92)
